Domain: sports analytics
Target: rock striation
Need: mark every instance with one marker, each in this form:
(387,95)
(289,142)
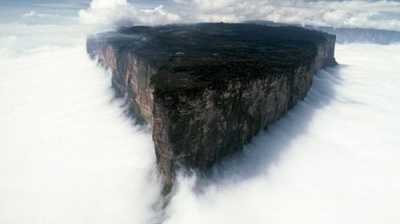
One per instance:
(208,88)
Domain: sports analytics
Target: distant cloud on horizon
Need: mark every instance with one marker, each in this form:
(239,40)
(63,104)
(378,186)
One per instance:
(364,14)
(111,14)
(33,14)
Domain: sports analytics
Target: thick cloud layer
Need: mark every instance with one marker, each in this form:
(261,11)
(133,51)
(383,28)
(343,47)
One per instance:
(68,153)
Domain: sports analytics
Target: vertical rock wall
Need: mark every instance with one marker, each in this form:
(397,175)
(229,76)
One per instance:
(194,128)
(130,75)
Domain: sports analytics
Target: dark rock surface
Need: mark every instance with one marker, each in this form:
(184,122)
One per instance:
(207,89)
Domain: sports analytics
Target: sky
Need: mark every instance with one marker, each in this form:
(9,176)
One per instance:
(382,14)
(69,154)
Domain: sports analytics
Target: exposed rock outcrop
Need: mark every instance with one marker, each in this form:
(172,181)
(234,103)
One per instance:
(207,89)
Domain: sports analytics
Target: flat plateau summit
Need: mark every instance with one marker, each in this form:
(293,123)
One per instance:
(208,88)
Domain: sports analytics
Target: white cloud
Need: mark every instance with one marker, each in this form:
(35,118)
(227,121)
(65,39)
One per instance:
(68,153)
(33,14)
(367,14)
(112,14)
(331,13)
(347,13)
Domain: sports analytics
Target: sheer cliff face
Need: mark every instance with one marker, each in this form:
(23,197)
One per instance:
(206,103)
(130,76)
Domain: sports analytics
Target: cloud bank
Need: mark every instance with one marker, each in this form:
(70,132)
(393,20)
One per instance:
(68,153)
(365,14)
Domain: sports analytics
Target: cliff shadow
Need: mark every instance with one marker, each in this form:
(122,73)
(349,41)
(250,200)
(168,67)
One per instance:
(266,148)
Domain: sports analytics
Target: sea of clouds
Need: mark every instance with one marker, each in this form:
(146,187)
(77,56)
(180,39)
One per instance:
(69,154)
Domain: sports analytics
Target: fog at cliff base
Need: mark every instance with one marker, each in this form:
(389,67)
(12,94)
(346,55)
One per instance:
(332,159)
(69,154)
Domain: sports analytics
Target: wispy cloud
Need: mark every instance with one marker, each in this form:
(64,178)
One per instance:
(75,4)
(33,14)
